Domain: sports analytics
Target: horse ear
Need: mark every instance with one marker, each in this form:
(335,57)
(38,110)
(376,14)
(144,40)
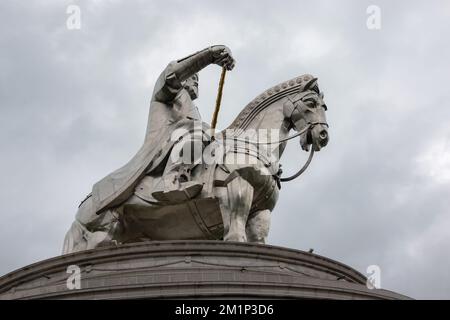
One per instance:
(311,83)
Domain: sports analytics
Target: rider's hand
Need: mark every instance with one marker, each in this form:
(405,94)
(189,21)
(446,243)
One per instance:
(222,57)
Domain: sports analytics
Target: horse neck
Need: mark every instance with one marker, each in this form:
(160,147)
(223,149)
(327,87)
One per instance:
(268,124)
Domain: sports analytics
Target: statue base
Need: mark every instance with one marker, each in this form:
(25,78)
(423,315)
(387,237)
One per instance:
(189,270)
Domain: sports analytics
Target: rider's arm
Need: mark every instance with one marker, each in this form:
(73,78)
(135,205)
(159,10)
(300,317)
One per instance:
(167,86)
(170,81)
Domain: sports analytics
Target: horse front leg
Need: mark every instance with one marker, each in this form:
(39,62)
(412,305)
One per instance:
(239,196)
(258,226)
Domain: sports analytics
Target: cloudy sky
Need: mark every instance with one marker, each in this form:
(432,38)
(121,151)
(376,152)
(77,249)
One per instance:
(74,103)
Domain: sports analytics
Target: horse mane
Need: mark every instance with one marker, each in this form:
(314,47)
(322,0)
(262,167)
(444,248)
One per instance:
(268,97)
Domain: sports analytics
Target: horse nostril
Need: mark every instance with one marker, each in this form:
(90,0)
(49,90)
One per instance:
(323,134)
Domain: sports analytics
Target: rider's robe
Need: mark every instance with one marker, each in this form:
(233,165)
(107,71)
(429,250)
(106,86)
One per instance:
(171,107)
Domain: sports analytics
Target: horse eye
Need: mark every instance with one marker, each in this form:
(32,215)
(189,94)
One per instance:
(316,89)
(310,103)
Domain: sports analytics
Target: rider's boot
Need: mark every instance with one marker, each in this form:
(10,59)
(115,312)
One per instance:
(177,187)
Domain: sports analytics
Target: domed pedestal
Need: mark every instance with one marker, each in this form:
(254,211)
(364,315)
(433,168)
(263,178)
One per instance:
(189,270)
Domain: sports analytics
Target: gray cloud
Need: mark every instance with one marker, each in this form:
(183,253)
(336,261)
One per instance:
(74,107)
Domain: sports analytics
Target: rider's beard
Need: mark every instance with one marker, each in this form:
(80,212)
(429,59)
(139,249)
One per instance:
(193,92)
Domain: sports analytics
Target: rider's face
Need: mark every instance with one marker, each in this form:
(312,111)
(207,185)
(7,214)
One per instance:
(191,86)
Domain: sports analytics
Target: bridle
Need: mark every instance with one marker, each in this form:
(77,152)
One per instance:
(308,127)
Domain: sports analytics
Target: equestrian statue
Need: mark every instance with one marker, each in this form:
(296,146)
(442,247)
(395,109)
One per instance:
(189,182)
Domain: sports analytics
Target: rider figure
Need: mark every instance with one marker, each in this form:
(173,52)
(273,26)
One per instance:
(172,101)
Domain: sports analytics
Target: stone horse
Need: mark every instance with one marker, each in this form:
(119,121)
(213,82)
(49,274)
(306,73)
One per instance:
(240,184)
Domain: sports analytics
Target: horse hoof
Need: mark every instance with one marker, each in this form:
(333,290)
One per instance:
(235,237)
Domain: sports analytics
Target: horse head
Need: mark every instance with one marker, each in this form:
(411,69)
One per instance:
(305,111)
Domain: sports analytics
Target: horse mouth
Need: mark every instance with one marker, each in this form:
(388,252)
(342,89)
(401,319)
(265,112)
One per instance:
(319,139)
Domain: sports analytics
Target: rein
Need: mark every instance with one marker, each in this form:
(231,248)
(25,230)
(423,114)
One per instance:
(303,169)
